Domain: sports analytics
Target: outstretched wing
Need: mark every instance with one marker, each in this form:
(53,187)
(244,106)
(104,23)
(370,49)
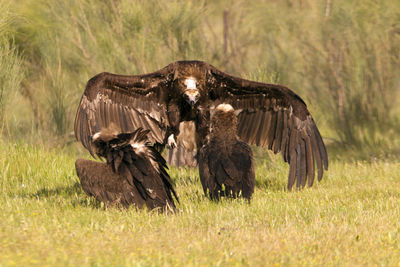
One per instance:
(273,116)
(129,102)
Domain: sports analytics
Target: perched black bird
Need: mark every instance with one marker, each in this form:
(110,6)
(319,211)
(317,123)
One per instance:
(269,115)
(226,163)
(135,172)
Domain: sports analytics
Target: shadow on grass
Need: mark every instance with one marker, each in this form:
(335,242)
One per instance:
(68,191)
(61,190)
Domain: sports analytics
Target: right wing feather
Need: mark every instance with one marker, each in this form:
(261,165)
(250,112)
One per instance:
(130,102)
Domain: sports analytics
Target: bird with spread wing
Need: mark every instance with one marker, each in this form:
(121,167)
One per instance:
(269,115)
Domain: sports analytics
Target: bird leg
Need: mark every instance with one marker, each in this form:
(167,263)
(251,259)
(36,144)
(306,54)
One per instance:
(174,120)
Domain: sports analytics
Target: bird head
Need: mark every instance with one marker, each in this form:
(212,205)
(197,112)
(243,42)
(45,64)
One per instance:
(191,93)
(224,108)
(224,121)
(223,113)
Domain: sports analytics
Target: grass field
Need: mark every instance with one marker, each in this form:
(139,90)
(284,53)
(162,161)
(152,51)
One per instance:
(350,218)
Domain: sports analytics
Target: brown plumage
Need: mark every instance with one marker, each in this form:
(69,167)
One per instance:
(226,165)
(185,152)
(269,115)
(135,172)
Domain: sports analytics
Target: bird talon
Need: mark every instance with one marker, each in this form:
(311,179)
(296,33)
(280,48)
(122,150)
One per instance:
(171,142)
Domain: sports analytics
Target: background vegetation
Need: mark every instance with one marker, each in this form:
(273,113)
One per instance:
(342,57)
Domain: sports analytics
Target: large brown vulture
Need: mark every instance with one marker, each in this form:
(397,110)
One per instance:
(269,115)
(135,172)
(226,165)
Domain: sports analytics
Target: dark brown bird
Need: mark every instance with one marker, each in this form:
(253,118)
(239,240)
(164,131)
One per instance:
(269,115)
(226,163)
(135,172)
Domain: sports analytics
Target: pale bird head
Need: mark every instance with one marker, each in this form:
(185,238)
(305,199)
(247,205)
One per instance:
(225,108)
(190,83)
(191,93)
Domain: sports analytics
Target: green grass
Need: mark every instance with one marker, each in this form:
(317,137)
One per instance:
(350,218)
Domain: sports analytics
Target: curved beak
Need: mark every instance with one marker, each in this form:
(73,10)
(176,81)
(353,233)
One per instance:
(191,96)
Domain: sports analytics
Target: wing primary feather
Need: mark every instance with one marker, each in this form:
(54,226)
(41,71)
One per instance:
(133,119)
(310,162)
(101,108)
(285,137)
(154,130)
(115,114)
(292,171)
(260,129)
(248,126)
(316,155)
(278,132)
(124,125)
(321,146)
(286,152)
(303,166)
(271,130)
(111,114)
(85,139)
(298,165)
(258,117)
(83,132)
(266,127)
(292,141)
(96,124)
(250,122)
(143,121)
(242,125)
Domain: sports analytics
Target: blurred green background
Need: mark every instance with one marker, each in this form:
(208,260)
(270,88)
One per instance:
(342,57)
